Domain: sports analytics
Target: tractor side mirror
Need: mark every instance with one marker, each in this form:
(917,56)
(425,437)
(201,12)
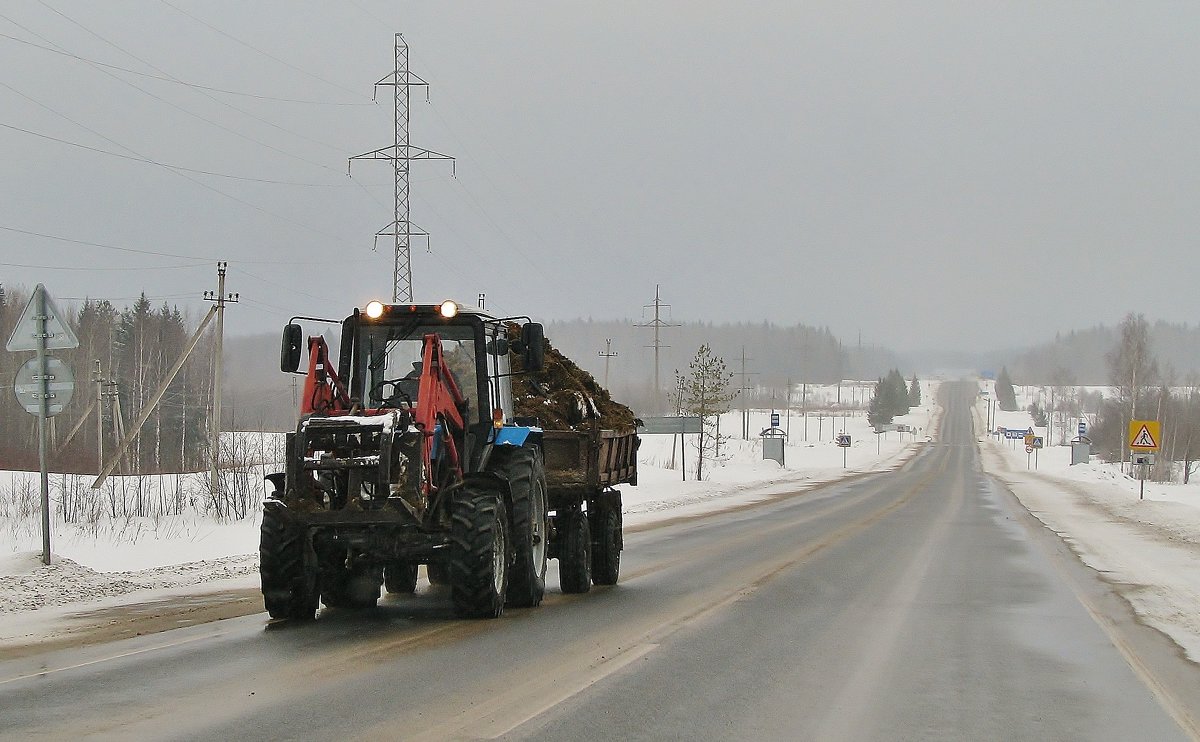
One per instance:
(533,342)
(293,346)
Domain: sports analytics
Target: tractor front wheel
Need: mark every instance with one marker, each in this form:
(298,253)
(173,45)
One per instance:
(478,554)
(400,577)
(289,589)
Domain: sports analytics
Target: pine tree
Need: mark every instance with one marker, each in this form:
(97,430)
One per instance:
(914,392)
(879,412)
(705,393)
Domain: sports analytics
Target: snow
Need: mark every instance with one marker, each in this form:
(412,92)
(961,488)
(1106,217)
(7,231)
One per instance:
(1147,548)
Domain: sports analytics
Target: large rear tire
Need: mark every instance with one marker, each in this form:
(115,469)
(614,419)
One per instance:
(575,558)
(289,590)
(478,555)
(607,542)
(522,469)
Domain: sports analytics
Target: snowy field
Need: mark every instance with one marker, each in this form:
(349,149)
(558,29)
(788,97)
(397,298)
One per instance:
(104,561)
(1149,549)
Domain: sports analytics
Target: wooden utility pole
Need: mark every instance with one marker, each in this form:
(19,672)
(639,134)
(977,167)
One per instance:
(606,354)
(220,297)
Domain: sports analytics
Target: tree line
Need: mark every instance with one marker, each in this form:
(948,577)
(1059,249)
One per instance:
(136,345)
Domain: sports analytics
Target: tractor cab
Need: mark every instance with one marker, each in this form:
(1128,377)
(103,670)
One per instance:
(385,350)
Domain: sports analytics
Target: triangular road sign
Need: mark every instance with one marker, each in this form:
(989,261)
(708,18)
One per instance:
(1144,439)
(58,333)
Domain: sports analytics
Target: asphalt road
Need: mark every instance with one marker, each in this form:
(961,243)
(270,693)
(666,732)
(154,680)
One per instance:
(917,604)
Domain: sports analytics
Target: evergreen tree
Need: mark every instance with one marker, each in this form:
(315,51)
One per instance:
(897,395)
(879,411)
(705,393)
(1006,396)
(914,392)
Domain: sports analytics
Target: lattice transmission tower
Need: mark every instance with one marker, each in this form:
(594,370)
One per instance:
(402,154)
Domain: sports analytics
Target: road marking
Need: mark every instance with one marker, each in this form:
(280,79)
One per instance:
(144,650)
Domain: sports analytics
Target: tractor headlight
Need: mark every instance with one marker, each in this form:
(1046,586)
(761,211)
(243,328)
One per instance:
(374,309)
(449,309)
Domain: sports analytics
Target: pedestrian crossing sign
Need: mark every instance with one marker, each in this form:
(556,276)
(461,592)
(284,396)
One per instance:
(1145,435)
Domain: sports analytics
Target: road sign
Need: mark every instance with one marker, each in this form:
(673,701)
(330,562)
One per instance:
(1082,427)
(843,441)
(1029,438)
(1039,442)
(774,419)
(1029,449)
(675,425)
(1144,435)
(27,330)
(28,386)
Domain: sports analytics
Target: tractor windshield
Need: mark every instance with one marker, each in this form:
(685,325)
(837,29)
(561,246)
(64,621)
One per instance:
(390,362)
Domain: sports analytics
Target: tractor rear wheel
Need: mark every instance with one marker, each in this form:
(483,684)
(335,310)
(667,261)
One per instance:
(522,469)
(575,557)
(289,590)
(478,554)
(400,577)
(606,552)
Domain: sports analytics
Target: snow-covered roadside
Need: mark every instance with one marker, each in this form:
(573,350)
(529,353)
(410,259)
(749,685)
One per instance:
(1148,549)
(147,560)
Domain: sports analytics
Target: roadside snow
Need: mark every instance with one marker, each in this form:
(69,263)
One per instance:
(1148,549)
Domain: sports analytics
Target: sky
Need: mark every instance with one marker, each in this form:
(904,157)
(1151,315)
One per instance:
(956,176)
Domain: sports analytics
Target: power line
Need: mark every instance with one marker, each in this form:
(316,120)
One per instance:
(176,81)
(259,51)
(176,106)
(159,163)
(119,248)
(101,268)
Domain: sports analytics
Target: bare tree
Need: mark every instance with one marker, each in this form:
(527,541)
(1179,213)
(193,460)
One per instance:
(1132,367)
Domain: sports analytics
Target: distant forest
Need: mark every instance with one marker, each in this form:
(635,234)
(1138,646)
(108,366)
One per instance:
(774,354)
(1082,354)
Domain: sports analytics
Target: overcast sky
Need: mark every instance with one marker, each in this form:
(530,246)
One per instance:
(961,175)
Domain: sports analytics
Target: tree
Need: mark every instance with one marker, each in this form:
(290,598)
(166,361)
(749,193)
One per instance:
(1132,368)
(1006,396)
(914,392)
(879,411)
(705,393)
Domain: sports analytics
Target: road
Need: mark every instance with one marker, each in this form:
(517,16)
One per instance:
(922,603)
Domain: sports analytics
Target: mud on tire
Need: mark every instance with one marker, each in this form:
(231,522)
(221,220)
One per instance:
(479,553)
(522,469)
(289,590)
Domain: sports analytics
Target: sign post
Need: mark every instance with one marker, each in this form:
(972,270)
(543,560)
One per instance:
(41,328)
(1144,439)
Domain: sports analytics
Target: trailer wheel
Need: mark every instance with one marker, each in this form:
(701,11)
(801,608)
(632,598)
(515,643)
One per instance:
(606,554)
(438,573)
(575,559)
(289,590)
(478,555)
(400,577)
(523,470)
(355,586)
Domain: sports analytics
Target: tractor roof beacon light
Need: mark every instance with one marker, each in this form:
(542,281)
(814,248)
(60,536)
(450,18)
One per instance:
(448,309)
(374,309)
